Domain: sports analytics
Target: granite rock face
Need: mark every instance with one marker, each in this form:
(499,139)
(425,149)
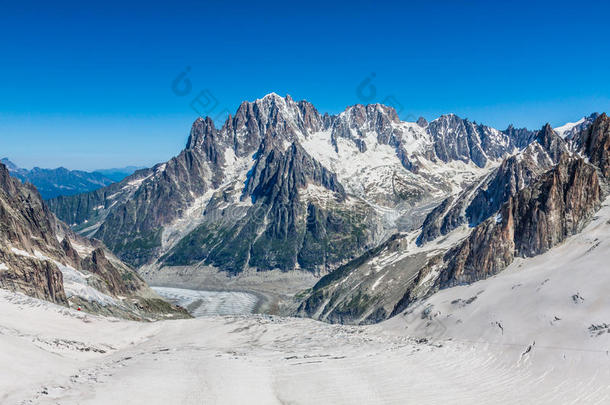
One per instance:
(25,224)
(594,142)
(537,218)
(458,139)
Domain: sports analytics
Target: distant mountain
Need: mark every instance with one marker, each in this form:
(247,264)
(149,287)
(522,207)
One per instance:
(52,183)
(119,173)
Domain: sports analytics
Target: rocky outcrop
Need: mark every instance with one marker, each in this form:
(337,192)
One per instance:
(116,282)
(25,221)
(25,225)
(594,143)
(552,143)
(36,278)
(34,262)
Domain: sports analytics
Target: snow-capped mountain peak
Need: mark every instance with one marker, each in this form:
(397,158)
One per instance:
(568,130)
(568,126)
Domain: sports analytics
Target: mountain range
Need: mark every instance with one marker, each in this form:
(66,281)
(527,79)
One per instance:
(57,182)
(117,174)
(531,202)
(382,212)
(281,186)
(60,181)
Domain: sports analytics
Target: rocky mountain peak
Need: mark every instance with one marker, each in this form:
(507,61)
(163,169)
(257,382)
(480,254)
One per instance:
(459,139)
(6,181)
(422,122)
(371,112)
(553,144)
(357,121)
(201,129)
(280,117)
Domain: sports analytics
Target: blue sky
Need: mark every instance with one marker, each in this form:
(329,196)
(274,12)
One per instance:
(90,86)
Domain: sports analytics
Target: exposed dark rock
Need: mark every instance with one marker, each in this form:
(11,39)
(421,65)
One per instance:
(458,139)
(116,282)
(552,143)
(530,223)
(594,142)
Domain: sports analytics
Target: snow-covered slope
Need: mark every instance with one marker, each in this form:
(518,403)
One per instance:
(568,126)
(557,303)
(535,333)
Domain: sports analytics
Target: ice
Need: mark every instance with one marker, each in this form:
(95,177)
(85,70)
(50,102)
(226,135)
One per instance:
(207,303)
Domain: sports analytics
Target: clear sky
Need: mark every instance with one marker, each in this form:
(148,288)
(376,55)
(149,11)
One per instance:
(90,86)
